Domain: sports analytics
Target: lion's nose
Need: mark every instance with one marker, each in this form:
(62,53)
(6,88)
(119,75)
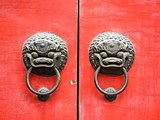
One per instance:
(42,45)
(111,45)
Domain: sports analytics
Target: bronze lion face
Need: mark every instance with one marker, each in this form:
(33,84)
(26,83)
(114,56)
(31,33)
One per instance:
(43,51)
(111,51)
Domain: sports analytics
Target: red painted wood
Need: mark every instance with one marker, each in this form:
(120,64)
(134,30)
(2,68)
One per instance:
(18,20)
(139,20)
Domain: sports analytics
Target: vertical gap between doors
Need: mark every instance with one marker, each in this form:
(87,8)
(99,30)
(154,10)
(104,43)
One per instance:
(78,61)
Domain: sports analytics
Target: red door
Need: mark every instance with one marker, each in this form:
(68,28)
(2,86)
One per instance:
(19,19)
(139,21)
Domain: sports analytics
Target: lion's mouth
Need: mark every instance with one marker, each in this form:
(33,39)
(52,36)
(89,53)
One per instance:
(112,60)
(117,60)
(43,61)
(40,61)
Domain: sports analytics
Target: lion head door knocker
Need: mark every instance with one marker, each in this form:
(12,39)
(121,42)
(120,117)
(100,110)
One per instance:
(112,54)
(44,54)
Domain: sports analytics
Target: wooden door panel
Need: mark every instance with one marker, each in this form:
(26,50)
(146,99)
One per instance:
(139,21)
(19,19)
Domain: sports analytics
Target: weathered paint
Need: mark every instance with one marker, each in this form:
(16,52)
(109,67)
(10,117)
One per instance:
(138,20)
(19,19)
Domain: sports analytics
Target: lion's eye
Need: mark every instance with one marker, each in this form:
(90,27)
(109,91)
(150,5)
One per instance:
(34,54)
(120,54)
(103,54)
(51,54)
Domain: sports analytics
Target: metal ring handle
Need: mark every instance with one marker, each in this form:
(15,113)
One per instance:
(40,93)
(110,93)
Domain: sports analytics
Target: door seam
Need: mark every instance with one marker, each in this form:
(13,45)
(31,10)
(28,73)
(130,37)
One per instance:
(78,61)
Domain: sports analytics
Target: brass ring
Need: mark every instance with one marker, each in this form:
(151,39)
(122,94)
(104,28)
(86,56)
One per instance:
(40,93)
(110,93)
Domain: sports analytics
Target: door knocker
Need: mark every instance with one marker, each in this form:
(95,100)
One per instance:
(111,54)
(44,54)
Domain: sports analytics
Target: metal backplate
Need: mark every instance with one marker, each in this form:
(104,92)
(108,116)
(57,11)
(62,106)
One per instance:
(43,51)
(112,51)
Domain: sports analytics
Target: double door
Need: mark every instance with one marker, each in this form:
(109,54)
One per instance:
(78,22)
